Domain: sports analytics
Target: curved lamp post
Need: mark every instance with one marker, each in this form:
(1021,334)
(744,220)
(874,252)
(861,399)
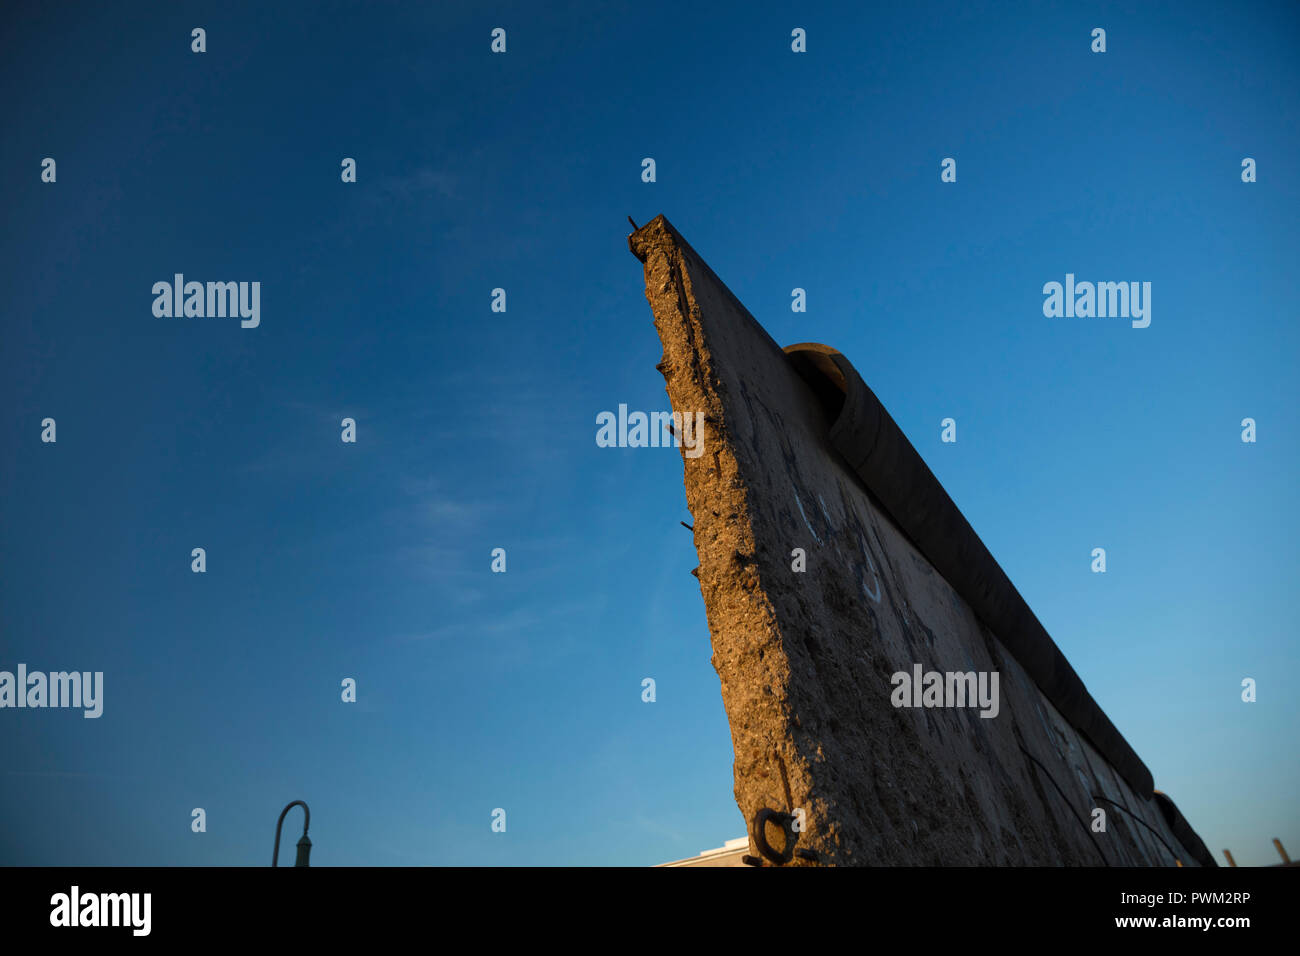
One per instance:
(304,845)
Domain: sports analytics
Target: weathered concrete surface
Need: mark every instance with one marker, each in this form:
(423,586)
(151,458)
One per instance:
(805,659)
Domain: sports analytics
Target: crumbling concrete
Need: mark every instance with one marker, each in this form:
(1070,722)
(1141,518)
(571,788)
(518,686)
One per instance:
(806,658)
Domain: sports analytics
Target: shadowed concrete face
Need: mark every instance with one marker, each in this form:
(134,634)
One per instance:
(897,696)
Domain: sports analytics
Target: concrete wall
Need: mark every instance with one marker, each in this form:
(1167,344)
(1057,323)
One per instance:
(806,658)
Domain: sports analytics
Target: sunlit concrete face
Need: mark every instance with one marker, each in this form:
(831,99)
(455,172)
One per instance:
(873,714)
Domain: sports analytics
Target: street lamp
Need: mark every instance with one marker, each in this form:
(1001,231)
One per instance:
(304,845)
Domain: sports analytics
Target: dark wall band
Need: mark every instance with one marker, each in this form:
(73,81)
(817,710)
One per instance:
(877,450)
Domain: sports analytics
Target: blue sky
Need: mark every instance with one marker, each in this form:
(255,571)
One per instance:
(476,429)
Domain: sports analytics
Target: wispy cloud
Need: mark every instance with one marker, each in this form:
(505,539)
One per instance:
(519,622)
(428,500)
(424,182)
(657,828)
